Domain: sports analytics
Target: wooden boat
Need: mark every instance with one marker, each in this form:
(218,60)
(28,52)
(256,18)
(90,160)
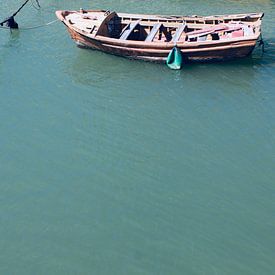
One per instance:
(152,37)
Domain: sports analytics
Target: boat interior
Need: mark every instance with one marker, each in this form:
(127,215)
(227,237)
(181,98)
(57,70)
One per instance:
(159,28)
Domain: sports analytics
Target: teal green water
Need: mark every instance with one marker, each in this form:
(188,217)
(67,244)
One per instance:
(112,166)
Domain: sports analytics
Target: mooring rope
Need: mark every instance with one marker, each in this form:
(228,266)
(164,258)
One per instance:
(38,5)
(30,28)
(261,43)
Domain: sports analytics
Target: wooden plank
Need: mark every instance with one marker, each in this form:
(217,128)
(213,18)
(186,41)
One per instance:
(126,33)
(179,18)
(178,33)
(153,32)
(204,32)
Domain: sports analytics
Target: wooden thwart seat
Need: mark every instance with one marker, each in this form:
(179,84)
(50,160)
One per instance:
(178,33)
(129,29)
(153,32)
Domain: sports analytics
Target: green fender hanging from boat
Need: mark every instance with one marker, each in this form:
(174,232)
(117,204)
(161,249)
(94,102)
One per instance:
(174,59)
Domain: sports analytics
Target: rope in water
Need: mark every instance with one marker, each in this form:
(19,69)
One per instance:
(30,28)
(37,3)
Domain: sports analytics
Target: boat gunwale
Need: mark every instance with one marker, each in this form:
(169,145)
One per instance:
(168,45)
(183,47)
(258,15)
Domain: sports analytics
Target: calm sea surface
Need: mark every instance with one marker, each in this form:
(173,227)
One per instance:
(112,166)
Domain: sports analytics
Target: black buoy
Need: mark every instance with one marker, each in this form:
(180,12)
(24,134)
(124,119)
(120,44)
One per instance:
(11,23)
